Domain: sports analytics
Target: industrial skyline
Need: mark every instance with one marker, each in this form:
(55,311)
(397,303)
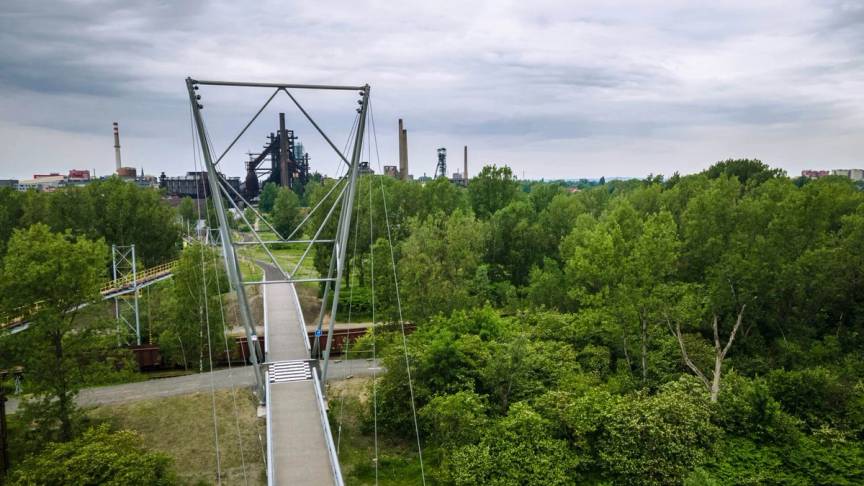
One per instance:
(554,92)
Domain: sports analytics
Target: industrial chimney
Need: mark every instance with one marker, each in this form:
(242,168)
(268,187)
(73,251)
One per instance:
(117,145)
(465,170)
(403,152)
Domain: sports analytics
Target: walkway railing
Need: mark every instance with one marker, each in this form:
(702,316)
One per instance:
(141,277)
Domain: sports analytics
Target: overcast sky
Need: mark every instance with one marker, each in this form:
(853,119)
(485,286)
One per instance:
(555,89)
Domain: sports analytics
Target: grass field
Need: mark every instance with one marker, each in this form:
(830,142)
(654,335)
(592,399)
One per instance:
(287,255)
(182,427)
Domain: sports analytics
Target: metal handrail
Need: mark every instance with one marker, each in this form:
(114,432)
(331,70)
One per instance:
(142,276)
(118,284)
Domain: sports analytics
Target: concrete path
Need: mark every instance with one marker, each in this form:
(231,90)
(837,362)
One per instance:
(298,435)
(182,385)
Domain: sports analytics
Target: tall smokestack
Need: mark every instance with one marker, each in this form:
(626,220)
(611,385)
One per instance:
(465,170)
(117,145)
(403,152)
(284,177)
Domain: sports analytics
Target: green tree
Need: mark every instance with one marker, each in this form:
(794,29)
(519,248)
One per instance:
(513,240)
(443,196)
(556,222)
(454,419)
(187,211)
(11,211)
(62,274)
(745,170)
(196,329)
(119,212)
(675,422)
(286,211)
(518,449)
(542,194)
(492,189)
(97,457)
(267,198)
(127,214)
(438,263)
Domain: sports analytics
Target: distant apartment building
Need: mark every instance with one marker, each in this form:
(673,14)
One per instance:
(854,174)
(78,177)
(392,171)
(814,174)
(43,182)
(13,183)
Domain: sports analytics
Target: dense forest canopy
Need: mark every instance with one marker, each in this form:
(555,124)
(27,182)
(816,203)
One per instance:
(118,212)
(702,329)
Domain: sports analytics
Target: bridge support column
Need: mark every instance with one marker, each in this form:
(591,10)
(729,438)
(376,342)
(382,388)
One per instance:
(124,264)
(231,263)
(340,248)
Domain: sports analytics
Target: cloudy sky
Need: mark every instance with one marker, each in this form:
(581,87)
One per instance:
(555,89)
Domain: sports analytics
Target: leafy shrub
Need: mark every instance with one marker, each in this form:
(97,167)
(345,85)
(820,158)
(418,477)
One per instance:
(517,449)
(97,457)
(815,395)
(747,409)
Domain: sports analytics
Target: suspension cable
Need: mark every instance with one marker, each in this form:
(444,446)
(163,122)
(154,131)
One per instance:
(374,330)
(207,319)
(398,303)
(227,350)
(348,337)
(275,92)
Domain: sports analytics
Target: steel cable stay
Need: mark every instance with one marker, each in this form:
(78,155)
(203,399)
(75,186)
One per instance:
(398,301)
(338,171)
(219,159)
(243,131)
(338,195)
(225,335)
(312,121)
(207,324)
(374,331)
(320,229)
(231,375)
(224,186)
(284,88)
(254,233)
(230,370)
(347,338)
(316,347)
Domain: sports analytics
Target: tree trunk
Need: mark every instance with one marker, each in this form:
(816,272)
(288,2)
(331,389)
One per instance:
(715,383)
(627,355)
(719,353)
(644,337)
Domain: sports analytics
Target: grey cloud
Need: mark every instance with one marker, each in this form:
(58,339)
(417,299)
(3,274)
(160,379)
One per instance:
(484,74)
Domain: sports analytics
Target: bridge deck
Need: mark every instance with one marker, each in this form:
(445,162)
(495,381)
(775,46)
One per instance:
(297,442)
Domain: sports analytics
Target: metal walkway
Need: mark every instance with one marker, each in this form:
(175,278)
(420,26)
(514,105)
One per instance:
(300,446)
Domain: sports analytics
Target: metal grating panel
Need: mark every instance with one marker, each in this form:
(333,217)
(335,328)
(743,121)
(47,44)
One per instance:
(285,371)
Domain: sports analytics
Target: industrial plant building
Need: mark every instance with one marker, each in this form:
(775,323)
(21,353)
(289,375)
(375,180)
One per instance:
(193,184)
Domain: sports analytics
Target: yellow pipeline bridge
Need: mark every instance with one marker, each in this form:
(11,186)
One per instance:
(109,290)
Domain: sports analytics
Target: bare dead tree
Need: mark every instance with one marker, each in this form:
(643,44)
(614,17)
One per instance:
(719,352)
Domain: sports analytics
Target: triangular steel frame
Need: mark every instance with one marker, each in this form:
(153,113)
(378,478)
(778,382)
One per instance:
(345,198)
